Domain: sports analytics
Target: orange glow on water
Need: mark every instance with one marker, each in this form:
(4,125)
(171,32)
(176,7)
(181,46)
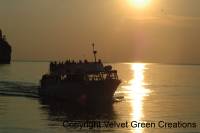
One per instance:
(137,93)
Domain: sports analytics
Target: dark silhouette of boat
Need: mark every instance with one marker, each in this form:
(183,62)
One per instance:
(5,50)
(83,82)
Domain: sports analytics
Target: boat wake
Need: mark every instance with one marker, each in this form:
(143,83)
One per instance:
(26,89)
(15,88)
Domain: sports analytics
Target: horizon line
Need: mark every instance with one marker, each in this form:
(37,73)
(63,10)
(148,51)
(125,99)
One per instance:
(146,62)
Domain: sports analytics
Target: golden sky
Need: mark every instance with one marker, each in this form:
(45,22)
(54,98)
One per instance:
(165,31)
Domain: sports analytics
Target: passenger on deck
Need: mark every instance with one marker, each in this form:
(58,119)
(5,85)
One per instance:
(85,61)
(80,62)
(99,61)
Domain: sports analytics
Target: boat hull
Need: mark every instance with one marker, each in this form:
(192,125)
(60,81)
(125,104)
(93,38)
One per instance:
(91,92)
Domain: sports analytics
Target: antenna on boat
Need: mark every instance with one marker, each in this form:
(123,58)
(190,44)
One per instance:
(94,52)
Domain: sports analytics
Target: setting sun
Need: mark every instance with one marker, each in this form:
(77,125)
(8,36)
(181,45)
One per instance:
(139,3)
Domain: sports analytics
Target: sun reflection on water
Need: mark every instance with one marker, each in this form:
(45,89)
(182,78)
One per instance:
(137,93)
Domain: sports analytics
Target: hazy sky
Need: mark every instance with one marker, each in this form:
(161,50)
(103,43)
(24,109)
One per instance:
(163,31)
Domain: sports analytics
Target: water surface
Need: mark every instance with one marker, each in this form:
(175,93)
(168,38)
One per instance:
(152,93)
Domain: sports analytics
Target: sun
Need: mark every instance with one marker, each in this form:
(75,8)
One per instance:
(139,3)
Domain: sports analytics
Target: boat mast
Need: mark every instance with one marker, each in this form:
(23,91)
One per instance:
(94,52)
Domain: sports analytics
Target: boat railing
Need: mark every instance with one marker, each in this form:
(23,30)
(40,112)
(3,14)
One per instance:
(89,76)
(104,75)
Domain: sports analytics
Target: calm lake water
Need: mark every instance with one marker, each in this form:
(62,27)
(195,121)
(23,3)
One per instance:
(151,93)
